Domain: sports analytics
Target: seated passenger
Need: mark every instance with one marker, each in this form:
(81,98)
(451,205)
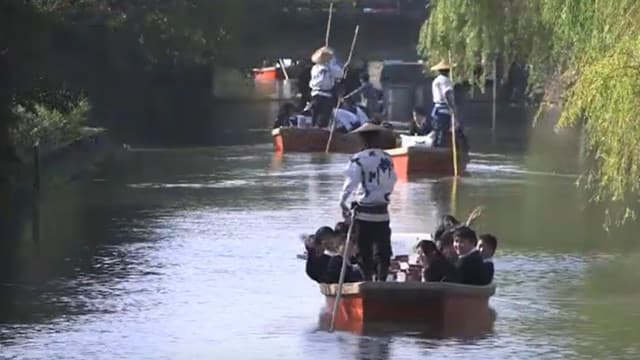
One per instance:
(487,245)
(470,264)
(436,266)
(444,244)
(286,116)
(350,105)
(341,228)
(317,260)
(420,125)
(346,121)
(352,271)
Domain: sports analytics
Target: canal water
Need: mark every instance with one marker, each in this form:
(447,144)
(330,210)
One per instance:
(190,253)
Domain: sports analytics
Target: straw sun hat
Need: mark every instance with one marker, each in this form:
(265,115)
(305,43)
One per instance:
(322,56)
(442,65)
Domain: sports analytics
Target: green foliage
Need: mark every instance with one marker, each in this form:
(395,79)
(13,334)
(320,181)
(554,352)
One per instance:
(594,43)
(47,126)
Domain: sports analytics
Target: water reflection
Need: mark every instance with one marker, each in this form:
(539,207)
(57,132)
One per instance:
(190,253)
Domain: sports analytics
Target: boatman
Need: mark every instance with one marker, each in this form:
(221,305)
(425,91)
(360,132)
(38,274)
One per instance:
(370,175)
(443,103)
(324,75)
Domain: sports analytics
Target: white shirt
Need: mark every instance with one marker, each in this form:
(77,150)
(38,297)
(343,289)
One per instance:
(362,116)
(347,119)
(371,174)
(441,84)
(323,78)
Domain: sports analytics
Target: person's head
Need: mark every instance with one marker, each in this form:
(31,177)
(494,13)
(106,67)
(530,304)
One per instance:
(464,240)
(427,250)
(419,114)
(443,68)
(364,78)
(370,134)
(447,222)
(323,55)
(327,237)
(341,228)
(312,243)
(349,104)
(487,245)
(444,243)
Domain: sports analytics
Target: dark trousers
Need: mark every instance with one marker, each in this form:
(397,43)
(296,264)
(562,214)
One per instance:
(322,109)
(374,245)
(441,123)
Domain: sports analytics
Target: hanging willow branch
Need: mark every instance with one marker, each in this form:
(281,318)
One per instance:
(596,42)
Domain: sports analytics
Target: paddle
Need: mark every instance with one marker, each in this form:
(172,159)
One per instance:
(345,259)
(344,75)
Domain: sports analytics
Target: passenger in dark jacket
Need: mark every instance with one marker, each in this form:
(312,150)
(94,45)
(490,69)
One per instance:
(436,266)
(487,245)
(317,260)
(352,271)
(470,264)
(352,274)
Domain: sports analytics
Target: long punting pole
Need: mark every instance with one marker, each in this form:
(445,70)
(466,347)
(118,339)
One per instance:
(333,120)
(326,37)
(454,147)
(345,258)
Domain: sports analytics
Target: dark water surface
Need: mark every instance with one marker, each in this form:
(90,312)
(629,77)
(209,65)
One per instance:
(191,254)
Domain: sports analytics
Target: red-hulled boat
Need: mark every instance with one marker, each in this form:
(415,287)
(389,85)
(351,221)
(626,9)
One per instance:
(426,161)
(315,140)
(447,309)
(265,73)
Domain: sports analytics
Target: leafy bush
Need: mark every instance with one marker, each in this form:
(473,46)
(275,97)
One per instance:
(46,126)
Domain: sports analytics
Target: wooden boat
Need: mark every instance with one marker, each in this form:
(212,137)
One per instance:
(426,161)
(447,309)
(315,140)
(265,73)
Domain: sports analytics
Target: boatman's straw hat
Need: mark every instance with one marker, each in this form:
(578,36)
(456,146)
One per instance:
(442,65)
(322,56)
(368,127)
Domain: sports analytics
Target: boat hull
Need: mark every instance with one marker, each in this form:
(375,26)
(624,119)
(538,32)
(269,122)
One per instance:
(417,161)
(444,308)
(266,73)
(315,140)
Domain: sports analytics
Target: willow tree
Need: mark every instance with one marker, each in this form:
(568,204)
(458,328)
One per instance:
(590,47)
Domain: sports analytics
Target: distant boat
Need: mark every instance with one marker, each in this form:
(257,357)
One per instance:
(278,70)
(426,161)
(315,140)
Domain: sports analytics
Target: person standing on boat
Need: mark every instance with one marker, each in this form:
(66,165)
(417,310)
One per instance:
(324,75)
(303,79)
(370,176)
(443,103)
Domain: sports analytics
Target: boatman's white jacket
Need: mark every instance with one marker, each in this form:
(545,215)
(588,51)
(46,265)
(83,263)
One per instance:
(371,175)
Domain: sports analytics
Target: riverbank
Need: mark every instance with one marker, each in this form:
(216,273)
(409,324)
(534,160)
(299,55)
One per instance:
(43,168)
